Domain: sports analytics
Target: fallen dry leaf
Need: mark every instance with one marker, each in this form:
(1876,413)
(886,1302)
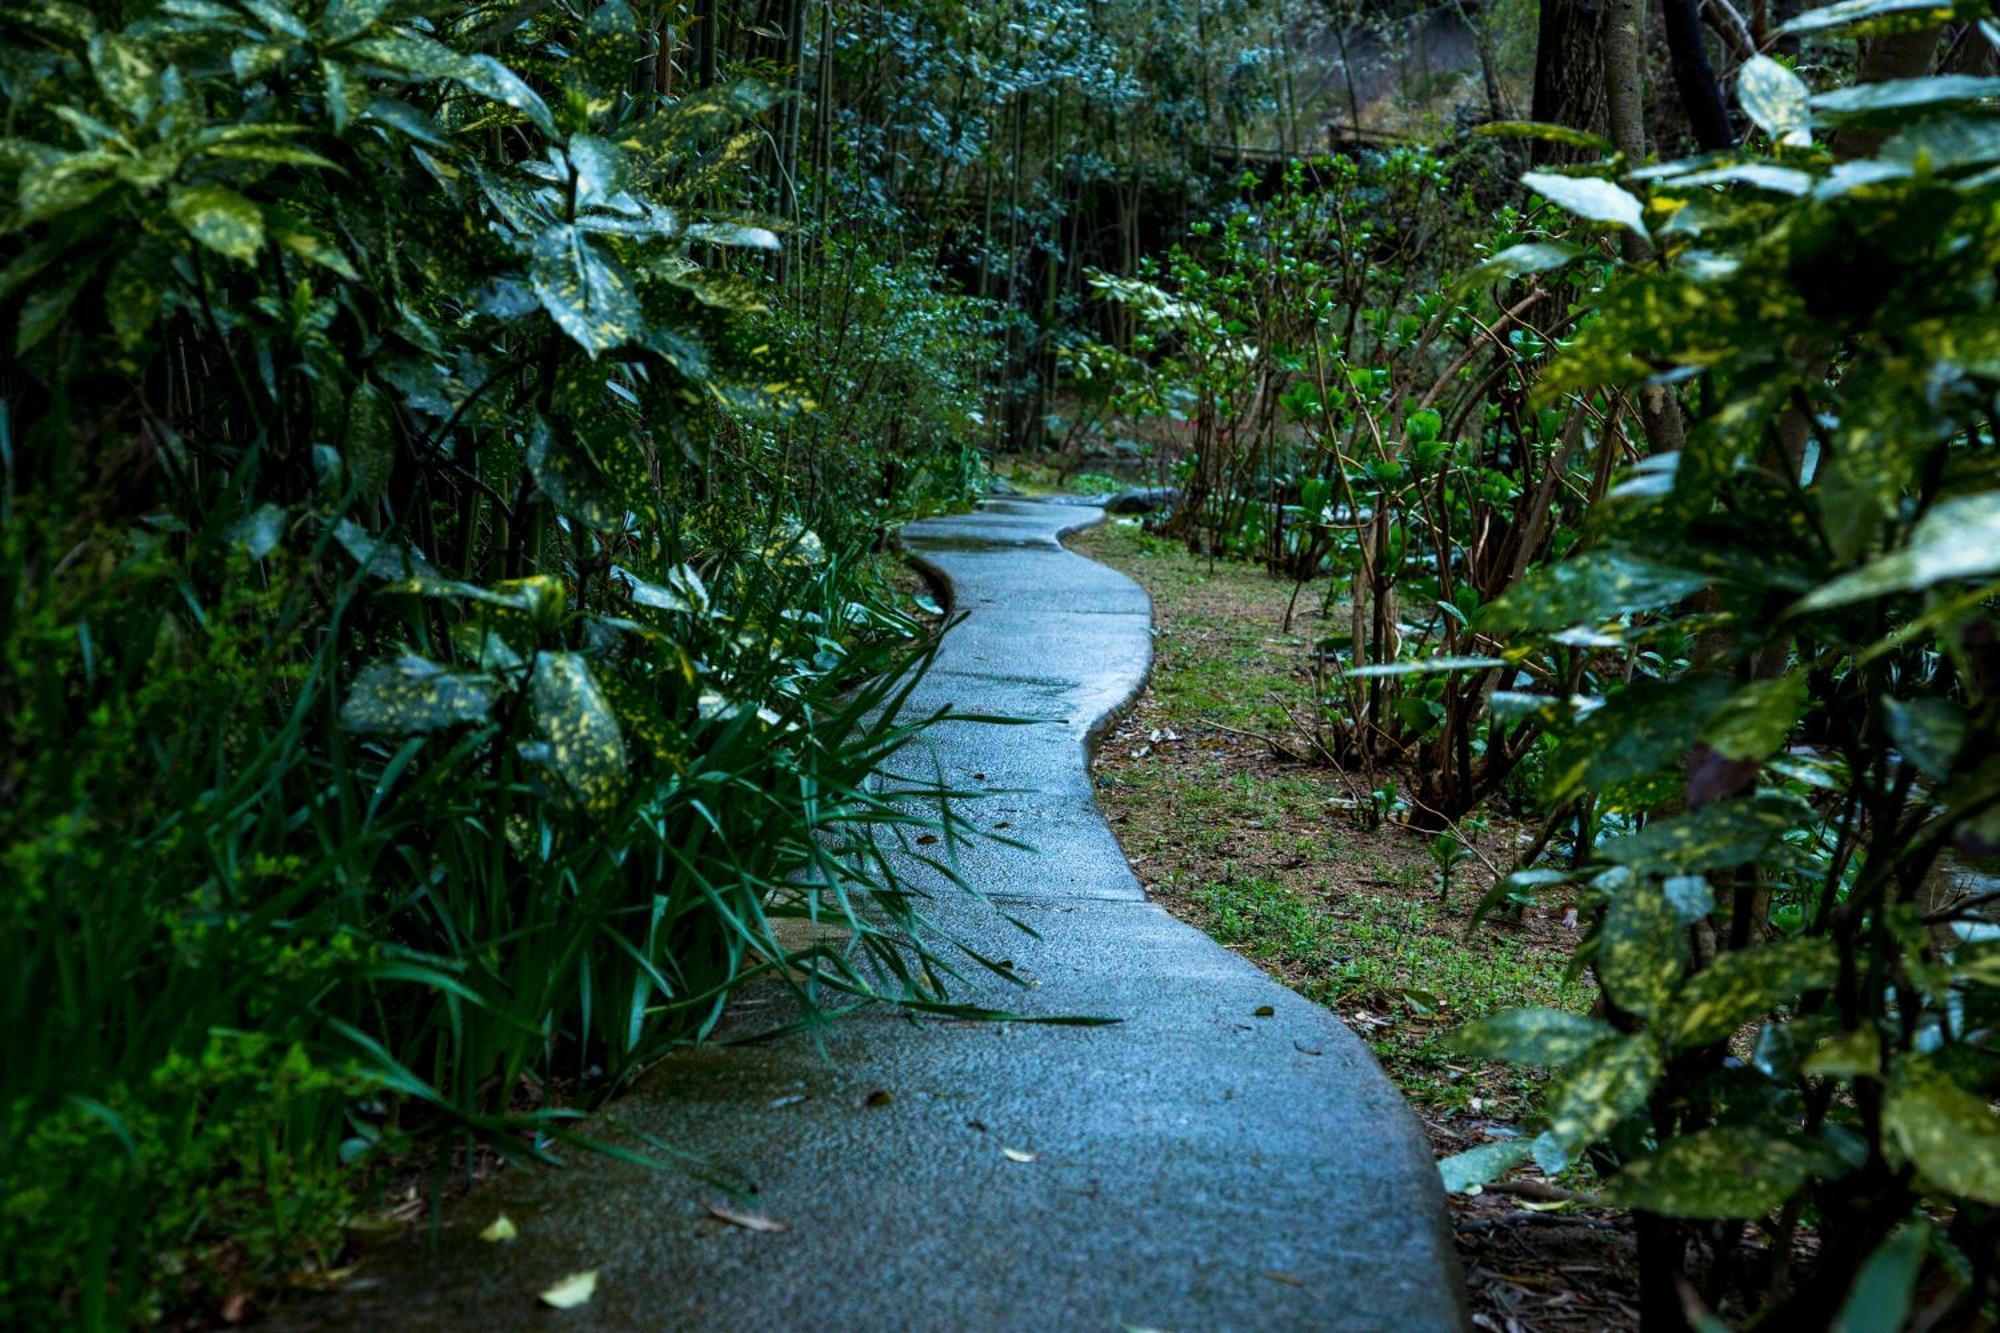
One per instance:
(499,1229)
(748,1221)
(1262,1011)
(1017,1155)
(572,1291)
(879,1097)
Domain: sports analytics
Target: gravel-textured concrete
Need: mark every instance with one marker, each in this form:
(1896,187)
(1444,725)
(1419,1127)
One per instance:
(1226,1156)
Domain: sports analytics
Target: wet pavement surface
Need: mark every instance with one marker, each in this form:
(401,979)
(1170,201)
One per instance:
(1225,1155)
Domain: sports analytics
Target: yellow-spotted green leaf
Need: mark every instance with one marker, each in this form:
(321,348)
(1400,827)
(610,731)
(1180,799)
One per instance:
(491,79)
(315,248)
(1871,16)
(412,696)
(584,289)
(1745,984)
(1547,132)
(600,66)
(1589,588)
(1856,1054)
(253,60)
(1757,718)
(1608,1083)
(1947,1131)
(1639,955)
(346,19)
(123,72)
(1647,727)
(1959,539)
(1945,143)
(369,444)
(594,472)
(583,744)
(64,183)
(681,590)
(1716,1173)
(1718,836)
(1591,199)
(1548,1037)
(600,168)
(1776,100)
(539,597)
(1465,1171)
(1950,1134)
(220,219)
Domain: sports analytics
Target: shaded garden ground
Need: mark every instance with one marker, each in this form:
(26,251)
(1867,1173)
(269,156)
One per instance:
(1228,831)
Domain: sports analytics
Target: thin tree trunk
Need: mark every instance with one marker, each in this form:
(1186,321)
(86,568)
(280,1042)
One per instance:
(1694,77)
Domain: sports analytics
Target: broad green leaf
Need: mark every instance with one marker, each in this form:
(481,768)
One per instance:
(583,744)
(1718,836)
(1856,1054)
(1776,100)
(1639,954)
(601,169)
(1592,199)
(1949,1133)
(1761,175)
(1945,143)
(412,696)
(1588,588)
(1716,1173)
(1745,984)
(123,72)
(1872,16)
(600,67)
(1429,666)
(1547,132)
(1929,732)
(1488,1162)
(1548,1037)
(220,219)
(489,78)
(1608,1083)
(64,183)
(1754,721)
(314,248)
(1518,261)
(584,289)
(345,19)
(382,558)
(1880,1296)
(1959,539)
(1905,94)
(1645,728)
(259,532)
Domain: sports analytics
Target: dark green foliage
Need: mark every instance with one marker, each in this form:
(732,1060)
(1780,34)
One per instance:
(1805,1006)
(431,664)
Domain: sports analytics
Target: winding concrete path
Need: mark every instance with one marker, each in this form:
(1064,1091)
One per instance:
(1227,1156)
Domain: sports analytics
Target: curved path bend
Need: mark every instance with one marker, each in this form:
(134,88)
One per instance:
(1226,1156)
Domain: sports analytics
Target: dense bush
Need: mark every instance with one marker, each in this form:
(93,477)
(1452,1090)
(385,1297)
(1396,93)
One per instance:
(428,666)
(1783,754)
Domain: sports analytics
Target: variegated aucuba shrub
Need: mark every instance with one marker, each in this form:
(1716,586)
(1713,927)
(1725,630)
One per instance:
(420,685)
(1789,777)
